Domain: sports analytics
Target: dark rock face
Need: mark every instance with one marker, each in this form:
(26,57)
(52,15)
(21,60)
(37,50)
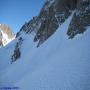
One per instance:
(53,14)
(5,30)
(49,24)
(17,53)
(81,19)
(28,27)
(1,43)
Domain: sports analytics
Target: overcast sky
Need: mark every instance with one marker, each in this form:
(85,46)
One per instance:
(14,13)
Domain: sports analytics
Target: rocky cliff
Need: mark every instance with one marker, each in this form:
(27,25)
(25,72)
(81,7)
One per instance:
(53,14)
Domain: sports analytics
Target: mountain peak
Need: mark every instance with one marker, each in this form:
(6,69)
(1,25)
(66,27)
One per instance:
(6,35)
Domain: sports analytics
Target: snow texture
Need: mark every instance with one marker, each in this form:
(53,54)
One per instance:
(58,64)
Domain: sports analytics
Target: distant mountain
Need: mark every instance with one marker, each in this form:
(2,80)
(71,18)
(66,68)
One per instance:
(6,35)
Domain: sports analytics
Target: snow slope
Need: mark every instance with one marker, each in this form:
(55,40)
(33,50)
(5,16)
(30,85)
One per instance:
(59,64)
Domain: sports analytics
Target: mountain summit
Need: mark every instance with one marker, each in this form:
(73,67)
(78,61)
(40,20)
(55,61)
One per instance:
(6,35)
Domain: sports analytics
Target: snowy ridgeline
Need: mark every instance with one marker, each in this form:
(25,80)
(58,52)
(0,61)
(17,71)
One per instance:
(5,39)
(58,64)
(6,35)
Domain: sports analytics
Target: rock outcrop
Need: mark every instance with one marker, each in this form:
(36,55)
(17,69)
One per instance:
(81,19)
(17,53)
(53,14)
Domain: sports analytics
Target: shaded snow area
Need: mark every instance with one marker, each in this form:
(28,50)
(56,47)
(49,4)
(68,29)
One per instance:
(58,64)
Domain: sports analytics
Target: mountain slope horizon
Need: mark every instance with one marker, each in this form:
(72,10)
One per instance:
(61,61)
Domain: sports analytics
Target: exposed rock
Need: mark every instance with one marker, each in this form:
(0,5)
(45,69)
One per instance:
(28,27)
(53,14)
(81,19)
(16,55)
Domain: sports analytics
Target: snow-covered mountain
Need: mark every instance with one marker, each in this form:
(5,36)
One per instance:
(61,61)
(6,35)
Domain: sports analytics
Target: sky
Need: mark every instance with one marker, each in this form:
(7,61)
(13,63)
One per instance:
(15,13)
